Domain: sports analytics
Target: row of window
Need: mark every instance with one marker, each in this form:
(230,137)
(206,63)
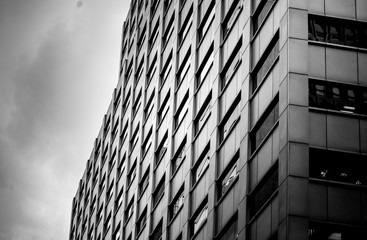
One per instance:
(337,31)
(337,96)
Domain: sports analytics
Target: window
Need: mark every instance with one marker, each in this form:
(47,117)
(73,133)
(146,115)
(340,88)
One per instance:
(168,30)
(124,132)
(132,173)
(154,35)
(201,164)
(117,233)
(127,100)
(206,16)
(112,161)
(139,71)
(104,155)
(338,166)
(179,156)
(99,214)
(336,96)
(93,205)
(110,191)
(229,231)
(161,149)
(134,139)
(149,106)
(230,119)
(144,182)
(95,177)
(203,114)
(185,25)
(230,16)
(152,70)
(129,211)
(119,199)
(229,176)
(158,191)
(337,31)
(137,102)
(325,231)
(166,71)
(141,36)
(141,221)
(163,108)
(129,71)
(177,202)
(184,68)
(117,99)
(121,165)
(157,233)
(154,6)
(232,64)
(115,129)
(266,62)
(199,217)
(147,142)
(108,223)
(261,12)
(166,5)
(107,126)
(181,110)
(205,66)
(263,191)
(265,125)
(102,184)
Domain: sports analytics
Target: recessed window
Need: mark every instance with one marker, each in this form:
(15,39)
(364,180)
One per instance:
(177,202)
(119,200)
(110,192)
(147,142)
(337,31)
(163,110)
(230,119)
(158,191)
(139,72)
(232,64)
(121,165)
(265,124)
(108,223)
(129,211)
(206,16)
(201,164)
(161,149)
(179,156)
(263,191)
(229,176)
(124,133)
(205,66)
(229,231)
(135,137)
(266,62)
(167,70)
(338,166)
(181,110)
(168,30)
(157,233)
(144,182)
(137,103)
(154,35)
(260,13)
(185,25)
(132,173)
(202,115)
(152,71)
(339,97)
(184,68)
(232,10)
(325,231)
(149,106)
(199,218)
(141,221)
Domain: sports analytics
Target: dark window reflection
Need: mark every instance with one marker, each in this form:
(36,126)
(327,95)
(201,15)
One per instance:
(337,31)
(338,166)
(339,97)
(323,231)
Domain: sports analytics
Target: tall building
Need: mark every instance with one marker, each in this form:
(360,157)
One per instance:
(233,119)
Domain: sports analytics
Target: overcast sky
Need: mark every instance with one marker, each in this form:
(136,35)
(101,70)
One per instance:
(58,68)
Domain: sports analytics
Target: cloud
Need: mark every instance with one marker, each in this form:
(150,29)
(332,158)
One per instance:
(54,90)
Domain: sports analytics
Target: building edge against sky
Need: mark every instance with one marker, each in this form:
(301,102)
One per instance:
(233,119)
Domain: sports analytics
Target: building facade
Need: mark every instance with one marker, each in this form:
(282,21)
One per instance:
(233,119)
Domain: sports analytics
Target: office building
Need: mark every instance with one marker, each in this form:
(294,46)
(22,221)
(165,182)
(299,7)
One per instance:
(233,119)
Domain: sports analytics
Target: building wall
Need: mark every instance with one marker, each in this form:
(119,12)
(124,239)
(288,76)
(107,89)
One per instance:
(233,120)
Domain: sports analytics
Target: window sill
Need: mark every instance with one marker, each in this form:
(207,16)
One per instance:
(200,177)
(178,167)
(338,46)
(175,216)
(336,112)
(222,143)
(336,183)
(226,192)
(199,229)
